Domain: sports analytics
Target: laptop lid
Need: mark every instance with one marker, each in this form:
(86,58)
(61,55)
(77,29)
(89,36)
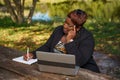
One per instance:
(57,63)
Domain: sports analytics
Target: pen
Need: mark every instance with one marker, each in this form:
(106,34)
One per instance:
(27,53)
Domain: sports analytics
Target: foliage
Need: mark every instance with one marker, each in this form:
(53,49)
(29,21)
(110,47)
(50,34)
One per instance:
(16,9)
(95,10)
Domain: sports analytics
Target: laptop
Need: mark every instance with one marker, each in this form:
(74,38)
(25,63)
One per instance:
(57,63)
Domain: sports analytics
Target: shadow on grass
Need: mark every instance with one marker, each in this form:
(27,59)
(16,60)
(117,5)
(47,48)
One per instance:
(28,42)
(6,22)
(107,36)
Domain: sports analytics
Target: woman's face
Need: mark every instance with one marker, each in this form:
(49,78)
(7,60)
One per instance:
(68,25)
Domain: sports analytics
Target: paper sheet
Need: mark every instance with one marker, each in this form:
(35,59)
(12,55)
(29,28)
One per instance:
(21,60)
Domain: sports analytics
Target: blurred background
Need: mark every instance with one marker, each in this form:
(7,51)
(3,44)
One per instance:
(29,23)
(103,22)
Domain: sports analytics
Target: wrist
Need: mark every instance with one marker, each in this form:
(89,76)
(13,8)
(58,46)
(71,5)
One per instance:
(71,40)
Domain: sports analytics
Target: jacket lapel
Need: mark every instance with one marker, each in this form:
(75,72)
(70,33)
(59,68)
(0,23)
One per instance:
(57,37)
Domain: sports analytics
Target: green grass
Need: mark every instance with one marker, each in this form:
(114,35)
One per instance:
(21,36)
(107,36)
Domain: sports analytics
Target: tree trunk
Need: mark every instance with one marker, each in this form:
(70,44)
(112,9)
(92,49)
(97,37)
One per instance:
(29,19)
(11,11)
(17,10)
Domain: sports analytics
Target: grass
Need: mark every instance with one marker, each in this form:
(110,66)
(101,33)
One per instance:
(106,35)
(21,36)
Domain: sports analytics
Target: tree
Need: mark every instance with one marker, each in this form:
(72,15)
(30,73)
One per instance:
(16,9)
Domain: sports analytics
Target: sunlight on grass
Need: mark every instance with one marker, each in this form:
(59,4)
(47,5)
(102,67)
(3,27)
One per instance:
(20,38)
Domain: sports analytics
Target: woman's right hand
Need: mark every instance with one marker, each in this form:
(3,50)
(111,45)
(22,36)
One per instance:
(71,34)
(28,56)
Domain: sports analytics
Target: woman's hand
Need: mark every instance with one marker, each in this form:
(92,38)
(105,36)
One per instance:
(71,34)
(28,56)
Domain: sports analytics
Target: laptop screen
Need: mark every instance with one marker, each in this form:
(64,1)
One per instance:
(56,63)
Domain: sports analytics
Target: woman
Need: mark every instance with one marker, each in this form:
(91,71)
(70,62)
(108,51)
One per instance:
(72,38)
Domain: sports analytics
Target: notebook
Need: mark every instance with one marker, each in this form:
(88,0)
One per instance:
(21,60)
(57,63)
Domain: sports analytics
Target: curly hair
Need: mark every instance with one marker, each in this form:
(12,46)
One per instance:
(78,17)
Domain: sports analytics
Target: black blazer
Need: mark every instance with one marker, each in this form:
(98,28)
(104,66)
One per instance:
(82,47)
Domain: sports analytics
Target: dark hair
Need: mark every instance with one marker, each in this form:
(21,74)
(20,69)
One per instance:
(78,17)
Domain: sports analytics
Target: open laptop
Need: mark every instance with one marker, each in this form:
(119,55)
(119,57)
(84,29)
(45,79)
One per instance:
(57,63)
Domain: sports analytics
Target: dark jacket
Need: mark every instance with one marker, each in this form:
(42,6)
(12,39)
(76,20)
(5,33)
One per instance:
(82,47)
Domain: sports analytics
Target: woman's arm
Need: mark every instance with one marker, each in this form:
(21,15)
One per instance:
(83,51)
(46,47)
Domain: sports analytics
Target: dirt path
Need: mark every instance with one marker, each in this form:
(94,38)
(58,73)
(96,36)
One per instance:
(107,65)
